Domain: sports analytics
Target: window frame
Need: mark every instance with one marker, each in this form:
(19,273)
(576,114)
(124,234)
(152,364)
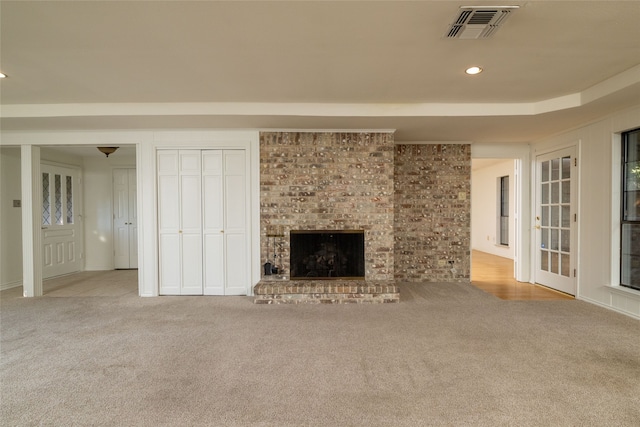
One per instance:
(623,213)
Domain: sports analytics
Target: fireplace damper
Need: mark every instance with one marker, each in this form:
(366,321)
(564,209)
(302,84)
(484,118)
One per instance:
(327,254)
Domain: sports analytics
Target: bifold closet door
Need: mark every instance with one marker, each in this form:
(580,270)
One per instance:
(226,251)
(203,222)
(236,234)
(180,222)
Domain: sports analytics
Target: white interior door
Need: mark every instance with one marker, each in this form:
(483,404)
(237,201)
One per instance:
(61,228)
(556,220)
(125,219)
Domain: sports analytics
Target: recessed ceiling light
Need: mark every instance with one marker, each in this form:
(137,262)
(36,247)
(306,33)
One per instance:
(473,70)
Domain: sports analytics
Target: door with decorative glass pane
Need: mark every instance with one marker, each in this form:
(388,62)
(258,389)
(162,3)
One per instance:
(125,219)
(61,229)
(556,220)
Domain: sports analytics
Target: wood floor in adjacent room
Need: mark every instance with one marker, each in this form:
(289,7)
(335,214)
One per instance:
(494,274)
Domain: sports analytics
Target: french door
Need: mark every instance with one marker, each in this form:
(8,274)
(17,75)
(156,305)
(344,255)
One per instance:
(203,222)
(125,219)
(556,220)
(61,228)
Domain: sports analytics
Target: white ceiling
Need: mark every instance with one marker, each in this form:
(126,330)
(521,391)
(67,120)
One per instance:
(552,66)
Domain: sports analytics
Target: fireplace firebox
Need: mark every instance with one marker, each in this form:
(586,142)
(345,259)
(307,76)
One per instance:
(327,254)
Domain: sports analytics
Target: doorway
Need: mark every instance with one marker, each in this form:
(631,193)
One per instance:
(494,213)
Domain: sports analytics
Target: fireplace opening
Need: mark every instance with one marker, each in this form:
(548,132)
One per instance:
(327,254)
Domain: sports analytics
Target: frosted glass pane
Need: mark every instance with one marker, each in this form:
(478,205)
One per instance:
(566,216)
(566,167)
(58,198)
(565,239)
(555,216)
(566,192)
(545,172)
(565,269)
(554,239)
(555,263)
(46,200)
(69,200)
(555,169)
(545,194)
(555,192)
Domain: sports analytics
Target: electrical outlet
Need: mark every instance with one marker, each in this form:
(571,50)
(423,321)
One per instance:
(462,195)
(17,203)
(442,263)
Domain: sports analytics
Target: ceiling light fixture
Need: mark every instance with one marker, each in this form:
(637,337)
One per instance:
(3,75)
(107,150)
(473,70)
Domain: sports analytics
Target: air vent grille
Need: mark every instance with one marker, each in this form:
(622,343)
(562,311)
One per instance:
(478,23)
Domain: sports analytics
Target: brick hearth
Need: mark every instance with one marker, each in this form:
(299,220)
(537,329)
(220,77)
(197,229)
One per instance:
(278,291)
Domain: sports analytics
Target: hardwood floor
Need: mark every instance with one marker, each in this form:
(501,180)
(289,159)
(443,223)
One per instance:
(494,274)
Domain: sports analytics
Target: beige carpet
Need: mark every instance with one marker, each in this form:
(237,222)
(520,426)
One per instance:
(447,355)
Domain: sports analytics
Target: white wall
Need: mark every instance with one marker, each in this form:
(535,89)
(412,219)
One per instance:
(10,219)
(98,208)
(485,208)
(598,209)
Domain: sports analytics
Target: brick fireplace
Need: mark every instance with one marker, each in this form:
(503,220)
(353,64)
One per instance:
(329,181)
(411,201)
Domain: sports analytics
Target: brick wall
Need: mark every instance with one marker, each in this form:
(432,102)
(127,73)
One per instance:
(329,181)
(432,212)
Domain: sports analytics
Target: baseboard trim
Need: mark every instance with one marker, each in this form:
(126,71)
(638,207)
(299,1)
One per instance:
(10,285)
(609,307)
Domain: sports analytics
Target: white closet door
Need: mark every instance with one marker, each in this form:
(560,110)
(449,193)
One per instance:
(170,255)
(133,219)
(203,217)
(180,222)
(191,221)
(125,233)
(236,246)
(213,222)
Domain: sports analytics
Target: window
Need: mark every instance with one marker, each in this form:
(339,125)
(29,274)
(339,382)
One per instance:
(503,221)
(57,197)
(630,221)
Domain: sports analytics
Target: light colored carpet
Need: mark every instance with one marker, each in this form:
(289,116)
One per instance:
(447,355)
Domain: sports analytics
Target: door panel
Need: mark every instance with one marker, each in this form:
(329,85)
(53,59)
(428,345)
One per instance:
(556,220)
(170,268)
(191,264)
(235,230)
(213,222)
(124,219)
(236,267)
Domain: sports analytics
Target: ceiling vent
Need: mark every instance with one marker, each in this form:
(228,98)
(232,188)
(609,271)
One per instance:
(475,22)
